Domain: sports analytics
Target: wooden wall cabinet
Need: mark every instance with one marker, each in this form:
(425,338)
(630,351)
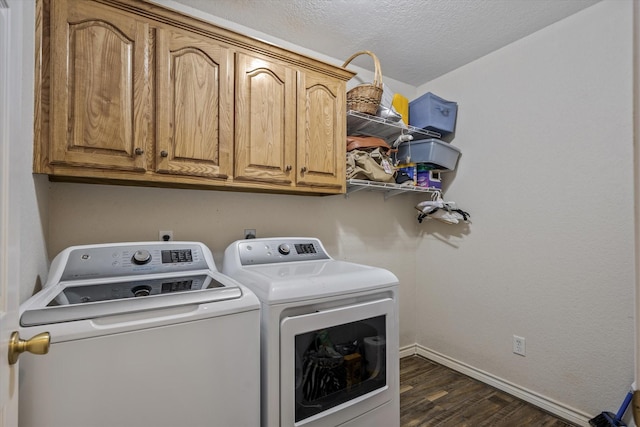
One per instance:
(265,121)
(99,112)
(194,106)
(289,126)
(321,142)
(129,92)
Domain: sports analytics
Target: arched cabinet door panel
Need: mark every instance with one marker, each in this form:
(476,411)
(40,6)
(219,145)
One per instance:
(194,106)
(265,121)
(98,58)
(321,131)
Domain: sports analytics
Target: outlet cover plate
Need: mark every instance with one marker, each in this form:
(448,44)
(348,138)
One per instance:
(519,345)
(163,233)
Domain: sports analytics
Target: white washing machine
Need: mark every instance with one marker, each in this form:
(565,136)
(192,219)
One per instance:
(142,334)
(329,343)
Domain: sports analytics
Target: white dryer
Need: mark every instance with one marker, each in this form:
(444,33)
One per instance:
(142,334)
(329,343)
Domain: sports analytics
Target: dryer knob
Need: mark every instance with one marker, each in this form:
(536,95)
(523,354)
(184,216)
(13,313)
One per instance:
(284,249)
(141,257)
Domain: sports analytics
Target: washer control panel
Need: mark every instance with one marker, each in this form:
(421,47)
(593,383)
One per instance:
(269,251)
(92,262)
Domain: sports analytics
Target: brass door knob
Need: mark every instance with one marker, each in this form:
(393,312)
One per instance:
(304,169)
(139,151)
(36,345)
(163,153)
(288,168)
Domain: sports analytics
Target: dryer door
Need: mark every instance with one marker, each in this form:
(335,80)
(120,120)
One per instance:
(334,363)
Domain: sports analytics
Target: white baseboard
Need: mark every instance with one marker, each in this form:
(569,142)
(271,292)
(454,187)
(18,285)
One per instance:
(409,350)
(554,407)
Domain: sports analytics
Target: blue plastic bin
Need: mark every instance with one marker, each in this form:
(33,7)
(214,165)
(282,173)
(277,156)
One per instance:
(433,113)
(437,154)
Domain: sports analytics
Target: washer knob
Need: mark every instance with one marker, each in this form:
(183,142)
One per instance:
(141,257)
(141,291)
(284,249)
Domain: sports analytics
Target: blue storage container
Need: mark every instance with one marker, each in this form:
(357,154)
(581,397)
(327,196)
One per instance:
(433,113)
(437,154)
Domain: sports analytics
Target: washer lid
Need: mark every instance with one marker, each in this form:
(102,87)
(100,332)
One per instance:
(79,300)
(311,279)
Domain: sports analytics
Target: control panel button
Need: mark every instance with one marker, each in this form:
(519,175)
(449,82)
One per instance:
(284,249)
(141,257)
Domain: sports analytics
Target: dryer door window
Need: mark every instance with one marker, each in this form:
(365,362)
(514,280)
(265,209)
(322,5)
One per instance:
(334,359)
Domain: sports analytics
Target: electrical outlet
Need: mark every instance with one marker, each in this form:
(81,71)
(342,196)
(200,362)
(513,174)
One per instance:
(518,345)
(165,235)
(250,233)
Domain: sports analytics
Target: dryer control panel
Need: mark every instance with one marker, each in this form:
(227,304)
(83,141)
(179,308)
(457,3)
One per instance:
(269,251)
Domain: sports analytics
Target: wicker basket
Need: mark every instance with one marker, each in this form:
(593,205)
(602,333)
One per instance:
(365,98)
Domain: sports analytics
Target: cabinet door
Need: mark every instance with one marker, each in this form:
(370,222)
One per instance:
(194,105)
(265,121)
(321,131)
(99,87)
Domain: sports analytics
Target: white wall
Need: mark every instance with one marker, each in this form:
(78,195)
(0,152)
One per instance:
(31,190)
(636,104)
(545,128)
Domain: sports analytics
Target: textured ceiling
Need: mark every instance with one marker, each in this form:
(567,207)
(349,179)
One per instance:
(415,40)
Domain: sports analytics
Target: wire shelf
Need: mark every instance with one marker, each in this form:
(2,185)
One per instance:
(390,189)
(365,124)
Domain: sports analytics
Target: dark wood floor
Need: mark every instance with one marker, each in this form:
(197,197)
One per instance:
(434,395)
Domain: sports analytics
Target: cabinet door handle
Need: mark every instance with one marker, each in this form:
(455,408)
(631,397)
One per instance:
(139,151)
(304,169)
(163,153)
(288,168)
